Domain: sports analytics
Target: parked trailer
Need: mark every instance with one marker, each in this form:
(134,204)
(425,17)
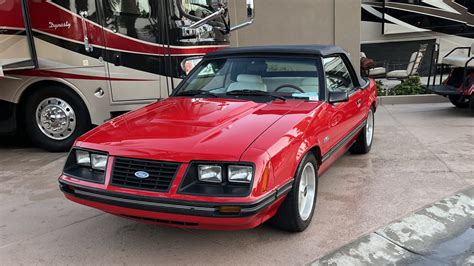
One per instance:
(66,65)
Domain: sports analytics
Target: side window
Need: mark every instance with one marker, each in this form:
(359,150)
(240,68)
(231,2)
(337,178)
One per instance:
(338,77)
(77,6)
(134,18)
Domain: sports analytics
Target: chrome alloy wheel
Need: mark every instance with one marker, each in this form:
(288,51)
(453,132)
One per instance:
(307,191)
(369,128)
(55,118)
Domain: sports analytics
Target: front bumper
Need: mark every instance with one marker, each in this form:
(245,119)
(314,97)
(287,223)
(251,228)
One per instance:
(180,213)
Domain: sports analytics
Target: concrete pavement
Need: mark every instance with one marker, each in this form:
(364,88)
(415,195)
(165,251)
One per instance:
(440,234)
(422,153)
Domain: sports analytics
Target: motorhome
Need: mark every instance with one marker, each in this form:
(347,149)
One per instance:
(66,65)
(391,30)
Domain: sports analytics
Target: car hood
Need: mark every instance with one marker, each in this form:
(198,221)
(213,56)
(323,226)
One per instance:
(183,129)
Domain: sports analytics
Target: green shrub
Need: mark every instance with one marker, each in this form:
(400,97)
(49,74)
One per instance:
(410,86)
(381,90)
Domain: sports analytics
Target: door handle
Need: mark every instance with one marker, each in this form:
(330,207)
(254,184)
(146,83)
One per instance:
(117,60)
(85,32)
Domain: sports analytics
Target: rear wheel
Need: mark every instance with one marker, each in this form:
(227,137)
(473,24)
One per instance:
(459,101)
(363,143)
(297,210)
(55,116)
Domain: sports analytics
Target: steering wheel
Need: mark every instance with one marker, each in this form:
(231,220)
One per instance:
(289,86)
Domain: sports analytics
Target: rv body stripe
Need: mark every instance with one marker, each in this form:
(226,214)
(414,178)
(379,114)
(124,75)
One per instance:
(55,74)
(154,64)
(22,31)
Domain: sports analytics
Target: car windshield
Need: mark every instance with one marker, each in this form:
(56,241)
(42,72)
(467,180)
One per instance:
(278,77)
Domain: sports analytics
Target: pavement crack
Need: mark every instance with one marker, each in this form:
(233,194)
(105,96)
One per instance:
(398,245)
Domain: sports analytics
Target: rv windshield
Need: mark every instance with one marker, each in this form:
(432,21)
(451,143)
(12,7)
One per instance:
(198,8)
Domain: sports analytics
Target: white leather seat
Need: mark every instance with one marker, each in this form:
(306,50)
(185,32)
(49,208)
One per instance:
(460,60)
(412,69)
(310,85)
(377,71)
(397,74)
(248,82)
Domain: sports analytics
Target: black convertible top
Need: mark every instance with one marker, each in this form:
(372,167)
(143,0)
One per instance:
(312,50)
(320,50)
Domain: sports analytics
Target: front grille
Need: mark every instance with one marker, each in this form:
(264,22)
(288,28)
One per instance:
(161,174)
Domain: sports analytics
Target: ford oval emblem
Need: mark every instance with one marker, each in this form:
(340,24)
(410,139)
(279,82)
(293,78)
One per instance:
(142,174)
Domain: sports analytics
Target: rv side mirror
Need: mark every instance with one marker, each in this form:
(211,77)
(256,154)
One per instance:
(250,9)
(189,63)
(250,16)
(338,97)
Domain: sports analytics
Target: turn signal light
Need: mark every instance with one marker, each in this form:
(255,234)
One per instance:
(229,209)
(266,174)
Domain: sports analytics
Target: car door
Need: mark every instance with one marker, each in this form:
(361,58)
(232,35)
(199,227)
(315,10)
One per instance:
(344,116)
(135,54)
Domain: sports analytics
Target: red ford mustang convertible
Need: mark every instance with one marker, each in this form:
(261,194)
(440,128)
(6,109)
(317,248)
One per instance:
(242,140)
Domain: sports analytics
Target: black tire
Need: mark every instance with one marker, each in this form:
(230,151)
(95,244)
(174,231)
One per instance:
(37,136)
(288,217)
(471,103)
(361,146)
(459,101)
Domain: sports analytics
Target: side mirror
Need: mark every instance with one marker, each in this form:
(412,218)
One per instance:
(338,97)
(189,63)
(250,16)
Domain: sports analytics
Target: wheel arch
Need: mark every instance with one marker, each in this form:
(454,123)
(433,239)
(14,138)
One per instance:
(315,150)
(29,88)
(374,106)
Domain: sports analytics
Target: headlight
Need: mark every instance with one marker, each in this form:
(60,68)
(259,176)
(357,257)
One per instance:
(210,173)
(83,158)
(240,173)
(98,161)
(218,179)
(86,165)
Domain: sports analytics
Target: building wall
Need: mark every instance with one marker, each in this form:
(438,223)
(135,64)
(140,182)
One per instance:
(300,22)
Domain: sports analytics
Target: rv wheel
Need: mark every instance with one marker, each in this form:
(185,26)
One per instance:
(55,116)
(471,103)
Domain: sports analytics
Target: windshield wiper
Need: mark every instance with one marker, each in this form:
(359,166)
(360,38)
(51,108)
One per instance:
(197,92)
(255,93)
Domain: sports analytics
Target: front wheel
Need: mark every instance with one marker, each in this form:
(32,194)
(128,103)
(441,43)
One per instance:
(363,143)
(459,101)
(297,210)
(55,117)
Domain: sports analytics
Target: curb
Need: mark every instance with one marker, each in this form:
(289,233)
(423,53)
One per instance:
(410,99)
(425,237)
